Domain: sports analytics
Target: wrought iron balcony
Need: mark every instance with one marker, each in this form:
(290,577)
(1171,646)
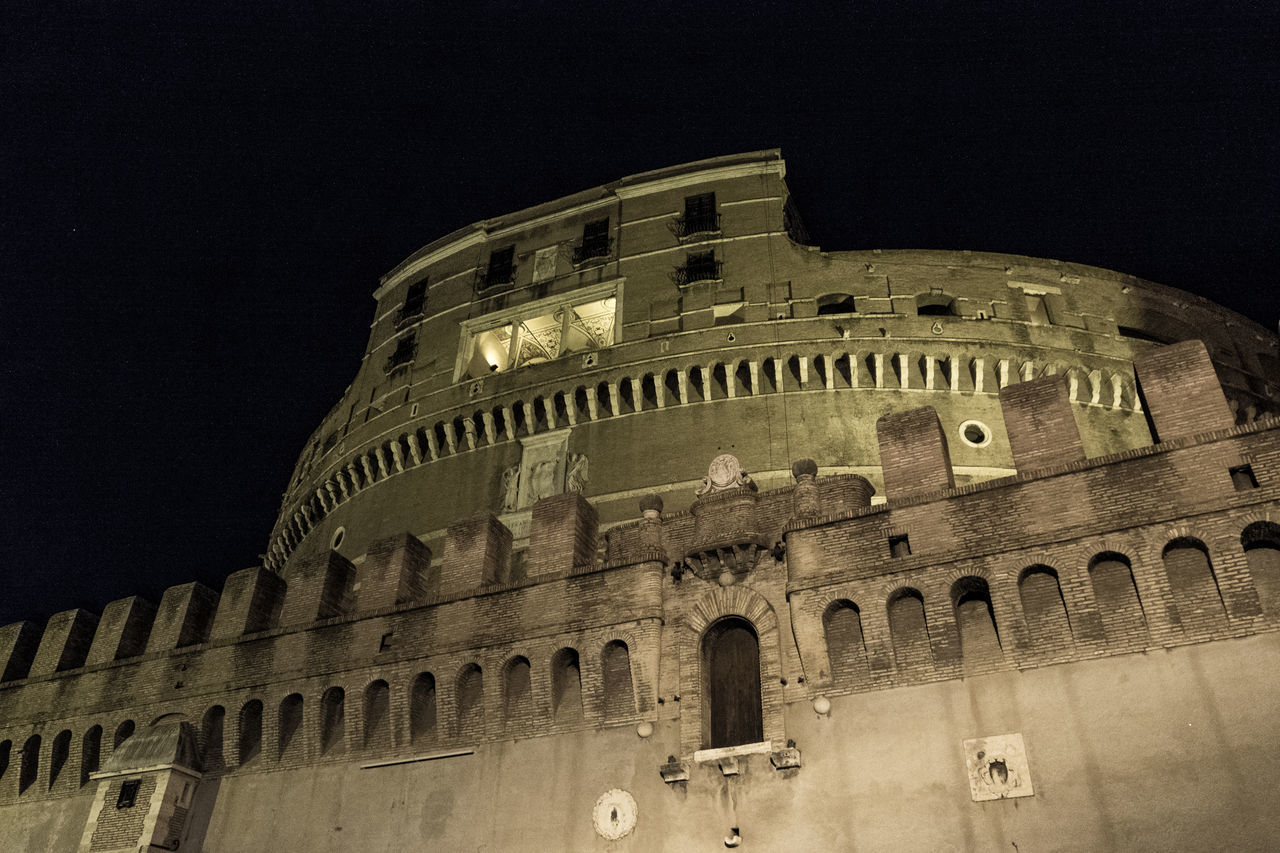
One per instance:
(594,248)
(697,269)
(408,314)
(403,354)
(699,223)
(487,279)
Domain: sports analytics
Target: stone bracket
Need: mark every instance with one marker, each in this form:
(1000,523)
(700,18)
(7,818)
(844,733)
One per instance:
(785,759)
(674,771)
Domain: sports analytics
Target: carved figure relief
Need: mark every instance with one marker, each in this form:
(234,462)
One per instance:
(576,479)
(510,488)
(543,480)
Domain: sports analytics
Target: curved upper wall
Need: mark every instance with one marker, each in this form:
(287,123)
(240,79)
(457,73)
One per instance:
(607,341)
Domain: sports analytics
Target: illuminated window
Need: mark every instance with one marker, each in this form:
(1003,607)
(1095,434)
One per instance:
(539,331)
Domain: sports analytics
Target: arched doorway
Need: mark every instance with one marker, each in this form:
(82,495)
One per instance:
(731,684)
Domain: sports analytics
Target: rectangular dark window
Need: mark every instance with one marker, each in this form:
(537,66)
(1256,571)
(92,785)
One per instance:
(899,546)
(702,266)
(501,267)
(699,215)
(595,241)
(128,794)
(415,300)
(404,352)
(1242,478)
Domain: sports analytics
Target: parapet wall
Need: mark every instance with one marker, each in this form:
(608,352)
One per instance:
(397,653)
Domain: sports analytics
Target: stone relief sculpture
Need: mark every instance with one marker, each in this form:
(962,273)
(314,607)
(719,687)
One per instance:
(576,480)
(543,480)
(725,472)
(510,488)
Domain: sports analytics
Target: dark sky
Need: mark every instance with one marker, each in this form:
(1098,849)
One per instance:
(198,200)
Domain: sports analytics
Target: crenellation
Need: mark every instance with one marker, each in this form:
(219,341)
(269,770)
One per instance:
(65,643)
(122,631)
(184,618)
(320,588)
(18,645)
(913,453)
(251,602)
(1032,554)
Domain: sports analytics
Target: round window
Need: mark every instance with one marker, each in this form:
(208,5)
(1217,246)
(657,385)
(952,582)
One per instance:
(338,536)
(975,433)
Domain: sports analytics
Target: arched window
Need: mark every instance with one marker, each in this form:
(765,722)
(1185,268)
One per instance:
(1123,620)
(615,670)
(1044,610)
(517,697)
(422,708)
(976,623)
(30,763)
(377,715)
(909,631)
(470,695)
(566,686)
(250,741)
(731,708)
(333,721)
(936,305)
(1261,544)
(90,750)
(836,303)
(1194,586)
(846,650)
(124,731)
(211,737)
(58,755)
(290,721)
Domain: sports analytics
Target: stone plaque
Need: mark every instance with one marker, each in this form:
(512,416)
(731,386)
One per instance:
(997,767)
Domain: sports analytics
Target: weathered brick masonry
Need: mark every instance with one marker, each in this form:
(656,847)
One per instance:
(525,581)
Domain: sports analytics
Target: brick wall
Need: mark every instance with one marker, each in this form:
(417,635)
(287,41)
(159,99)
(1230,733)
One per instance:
(121,828)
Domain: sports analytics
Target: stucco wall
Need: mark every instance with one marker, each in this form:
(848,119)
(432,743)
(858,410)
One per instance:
(1167,750)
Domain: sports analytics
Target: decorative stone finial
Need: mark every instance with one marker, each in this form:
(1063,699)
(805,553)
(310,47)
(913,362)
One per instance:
(651,503)
(725,473)
(804,468)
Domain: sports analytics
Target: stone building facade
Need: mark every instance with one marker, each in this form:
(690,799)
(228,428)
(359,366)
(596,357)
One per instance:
(646,526)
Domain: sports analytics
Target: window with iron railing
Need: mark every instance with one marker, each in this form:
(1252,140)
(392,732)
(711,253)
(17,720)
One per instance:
(700,216)
(415,301)
(402,355)
(501,269)
(595,242)
(702,266)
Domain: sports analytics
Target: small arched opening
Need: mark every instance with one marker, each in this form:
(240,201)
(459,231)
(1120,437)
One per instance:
(290,721)
(377,715)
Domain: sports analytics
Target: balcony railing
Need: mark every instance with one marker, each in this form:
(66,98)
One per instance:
(592,249)
(487,279)
(402,356)
(699,223)
(408,313)
(697,270)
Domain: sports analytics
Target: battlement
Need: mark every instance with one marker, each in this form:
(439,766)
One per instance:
(396,652)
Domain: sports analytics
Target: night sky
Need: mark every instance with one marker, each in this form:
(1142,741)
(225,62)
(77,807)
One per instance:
(198,200)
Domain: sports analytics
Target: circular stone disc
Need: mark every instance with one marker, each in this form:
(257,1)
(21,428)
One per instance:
(614,814)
